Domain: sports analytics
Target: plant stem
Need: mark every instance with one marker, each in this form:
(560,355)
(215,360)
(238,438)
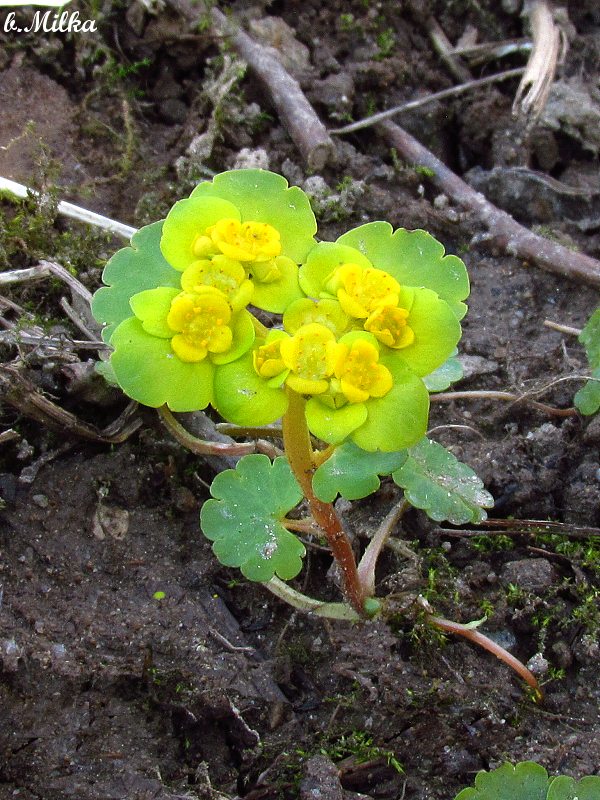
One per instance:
(366,568)
(200,446)
(488,644)
(298,449)
(305,603)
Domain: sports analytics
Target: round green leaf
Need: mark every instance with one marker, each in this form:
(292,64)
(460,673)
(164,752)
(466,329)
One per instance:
(414,258)
(130,271)
(263,196)
(244,398)
(446,489)
(440,379)
(277,295)
(525,781)
(148,371)
(590,338)
(244,520)
(353,472)
(436,329)
(587,399)
(399,419)
(333,425)
(187,220)
(565,788)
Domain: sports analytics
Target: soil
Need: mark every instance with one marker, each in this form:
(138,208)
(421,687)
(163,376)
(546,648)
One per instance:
(212,688)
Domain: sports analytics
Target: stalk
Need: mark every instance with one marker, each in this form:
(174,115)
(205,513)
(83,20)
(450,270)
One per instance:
(488,644)
(298,449)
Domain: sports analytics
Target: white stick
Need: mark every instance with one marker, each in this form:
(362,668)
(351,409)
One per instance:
(73,211)
(20,275)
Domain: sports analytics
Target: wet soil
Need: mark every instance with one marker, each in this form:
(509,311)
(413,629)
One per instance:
(131,664)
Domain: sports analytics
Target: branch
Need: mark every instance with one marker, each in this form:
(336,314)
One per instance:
(448,626)
(297,115)
(503,231)
(25,397)
(509,397)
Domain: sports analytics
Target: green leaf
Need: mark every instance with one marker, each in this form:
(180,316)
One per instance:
(353,472)
(152,308)
(130,271)
(244,398)
(263,196)
(105,369)
(398,419)
(414,258)
(444,376)
(565,788)
(244,520)
(525,781)
(436,329)
(277,295)
(446,489)
(148,371)
(587,399)
(333,425)
(590,338)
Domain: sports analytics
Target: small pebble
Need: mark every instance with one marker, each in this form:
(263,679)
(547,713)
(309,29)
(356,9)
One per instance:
(40,500)
(538,664)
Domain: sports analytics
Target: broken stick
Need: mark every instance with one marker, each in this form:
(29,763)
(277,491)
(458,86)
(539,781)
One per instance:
(504,232)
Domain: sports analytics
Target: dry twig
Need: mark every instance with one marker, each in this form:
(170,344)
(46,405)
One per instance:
(72,211)
(509,397)
(445,51)
(430,98)
(558,326)
(503,231)
(20,393)
(297,115)
(23,275)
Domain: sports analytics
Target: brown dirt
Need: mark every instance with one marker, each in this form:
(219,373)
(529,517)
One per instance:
(108,692)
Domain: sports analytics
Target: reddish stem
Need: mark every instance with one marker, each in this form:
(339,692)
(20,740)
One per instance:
(488,644)
(298,449)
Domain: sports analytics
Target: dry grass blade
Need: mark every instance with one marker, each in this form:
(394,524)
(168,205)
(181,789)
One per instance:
(550,46)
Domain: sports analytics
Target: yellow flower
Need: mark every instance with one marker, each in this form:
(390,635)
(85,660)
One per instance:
(222,273)
(267,359)
(360,376)
(310,357)
(360,291)
(200,321)
(389,325)
(247,241)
